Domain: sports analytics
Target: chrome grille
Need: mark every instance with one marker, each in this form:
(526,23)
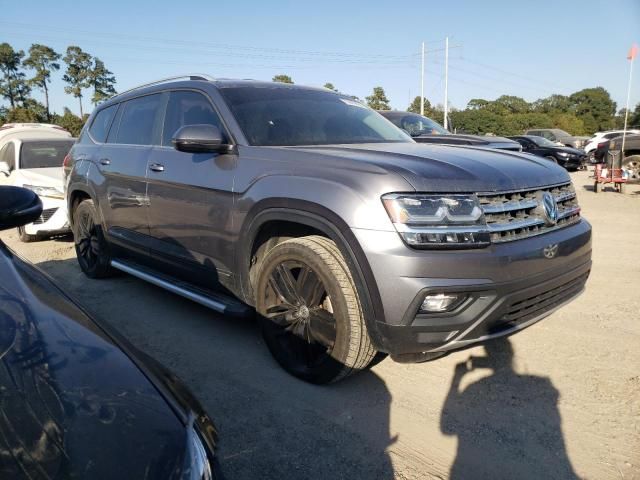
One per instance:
(45,216)
(516,215)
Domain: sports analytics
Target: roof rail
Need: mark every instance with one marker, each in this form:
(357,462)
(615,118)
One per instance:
(196,76)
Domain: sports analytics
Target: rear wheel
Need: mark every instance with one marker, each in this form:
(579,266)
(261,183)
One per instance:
(25,237)
(311,317)
(91,247)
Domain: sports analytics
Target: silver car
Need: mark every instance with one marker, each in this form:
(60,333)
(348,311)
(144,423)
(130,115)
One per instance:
(349,240)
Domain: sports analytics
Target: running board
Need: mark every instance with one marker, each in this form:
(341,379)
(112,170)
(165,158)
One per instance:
(218,302)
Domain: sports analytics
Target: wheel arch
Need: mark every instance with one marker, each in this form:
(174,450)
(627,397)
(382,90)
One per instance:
(291,218)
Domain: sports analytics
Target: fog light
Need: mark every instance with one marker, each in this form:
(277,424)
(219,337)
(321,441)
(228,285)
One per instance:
(441,302)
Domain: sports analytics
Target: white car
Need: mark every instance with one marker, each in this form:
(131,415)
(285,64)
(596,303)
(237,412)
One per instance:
(31,156)
(602,137)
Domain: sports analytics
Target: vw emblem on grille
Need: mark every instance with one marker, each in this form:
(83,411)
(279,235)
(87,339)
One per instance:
(550,208)
(550,251)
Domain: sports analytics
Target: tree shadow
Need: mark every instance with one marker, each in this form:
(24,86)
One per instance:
(508,425)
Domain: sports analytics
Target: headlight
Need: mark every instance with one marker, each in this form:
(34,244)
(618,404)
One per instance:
(562,154)
(438,221)
(51,192)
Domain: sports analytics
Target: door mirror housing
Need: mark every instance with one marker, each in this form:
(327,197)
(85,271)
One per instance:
(18,206)
(202,138)
(4,168)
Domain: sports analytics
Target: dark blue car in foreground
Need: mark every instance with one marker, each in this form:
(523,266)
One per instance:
(76,399)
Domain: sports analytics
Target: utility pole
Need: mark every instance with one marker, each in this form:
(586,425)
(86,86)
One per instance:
(446,82)
(422,84)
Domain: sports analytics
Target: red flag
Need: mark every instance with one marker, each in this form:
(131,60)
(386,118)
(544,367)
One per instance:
(633,52)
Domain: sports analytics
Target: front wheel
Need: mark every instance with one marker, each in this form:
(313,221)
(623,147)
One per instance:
(91,247)
(311,317)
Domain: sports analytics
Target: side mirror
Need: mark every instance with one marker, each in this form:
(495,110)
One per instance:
(199,139)
(4,168)
(18,206)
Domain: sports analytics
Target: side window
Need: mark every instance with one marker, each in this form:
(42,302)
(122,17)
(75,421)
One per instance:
(8,155)
(548,135)
(187,108)
(138,121)
(101,123)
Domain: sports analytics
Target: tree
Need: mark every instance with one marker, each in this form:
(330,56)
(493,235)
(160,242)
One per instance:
(510,104)
(330,86)
(282,79)
(414,107)
(477,103)
(552,104)
(70,122)
(43,60)
(31,111)
(13,86)
(595,107)
(78,72)
(102,81)
(378,100)
(634,117)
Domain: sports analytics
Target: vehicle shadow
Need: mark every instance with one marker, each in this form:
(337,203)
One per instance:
(271,425)
(508,425)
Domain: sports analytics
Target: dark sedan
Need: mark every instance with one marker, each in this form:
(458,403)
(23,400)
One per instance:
(567,157)
(76,399)
(424,130)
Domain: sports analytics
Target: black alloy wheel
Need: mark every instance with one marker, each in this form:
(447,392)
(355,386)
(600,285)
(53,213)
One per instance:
(310,313)
(91,247)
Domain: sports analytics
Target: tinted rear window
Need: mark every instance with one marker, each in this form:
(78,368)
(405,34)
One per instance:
(44,154)
(100,126)
(282,116)
(138,122)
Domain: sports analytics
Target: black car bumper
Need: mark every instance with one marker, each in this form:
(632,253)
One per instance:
(487,313)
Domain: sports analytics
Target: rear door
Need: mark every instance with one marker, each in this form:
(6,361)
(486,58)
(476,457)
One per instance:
(191,198)
(122,163)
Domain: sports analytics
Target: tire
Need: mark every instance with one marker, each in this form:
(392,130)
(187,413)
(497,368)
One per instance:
(552,158)
(311,317)
(27,238)
(92,250)
(596,187)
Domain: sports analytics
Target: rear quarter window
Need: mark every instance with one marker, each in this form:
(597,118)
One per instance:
(101,123)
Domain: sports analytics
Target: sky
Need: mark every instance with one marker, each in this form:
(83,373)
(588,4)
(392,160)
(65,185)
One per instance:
(528,49)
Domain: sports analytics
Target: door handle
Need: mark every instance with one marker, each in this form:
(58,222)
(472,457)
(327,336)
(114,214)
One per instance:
(105,161)
(156,167)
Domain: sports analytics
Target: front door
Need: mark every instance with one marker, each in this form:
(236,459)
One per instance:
(190,198)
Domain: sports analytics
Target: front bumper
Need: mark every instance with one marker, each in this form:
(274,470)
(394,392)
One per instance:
(53,219)
(509,286)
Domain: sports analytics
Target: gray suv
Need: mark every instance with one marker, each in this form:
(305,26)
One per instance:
(349,240)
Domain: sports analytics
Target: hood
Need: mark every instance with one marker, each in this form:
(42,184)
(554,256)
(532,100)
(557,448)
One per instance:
(464,139)
(74,405)
(44,177)
(569,150)
(435,168)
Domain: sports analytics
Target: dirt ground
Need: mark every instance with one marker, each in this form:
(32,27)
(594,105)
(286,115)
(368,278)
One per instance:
(559,400)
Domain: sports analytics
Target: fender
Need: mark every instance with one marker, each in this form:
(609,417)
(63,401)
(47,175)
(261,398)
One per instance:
(79,182)
(324,220)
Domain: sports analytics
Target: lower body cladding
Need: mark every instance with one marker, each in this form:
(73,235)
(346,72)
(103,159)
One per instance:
(492,292)
(53,219)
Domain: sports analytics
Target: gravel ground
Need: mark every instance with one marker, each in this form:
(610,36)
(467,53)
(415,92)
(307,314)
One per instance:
(559,400)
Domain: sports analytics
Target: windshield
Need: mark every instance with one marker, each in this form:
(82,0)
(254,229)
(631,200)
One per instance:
(284,116)
(44,153)
(542,142)
(418,125)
